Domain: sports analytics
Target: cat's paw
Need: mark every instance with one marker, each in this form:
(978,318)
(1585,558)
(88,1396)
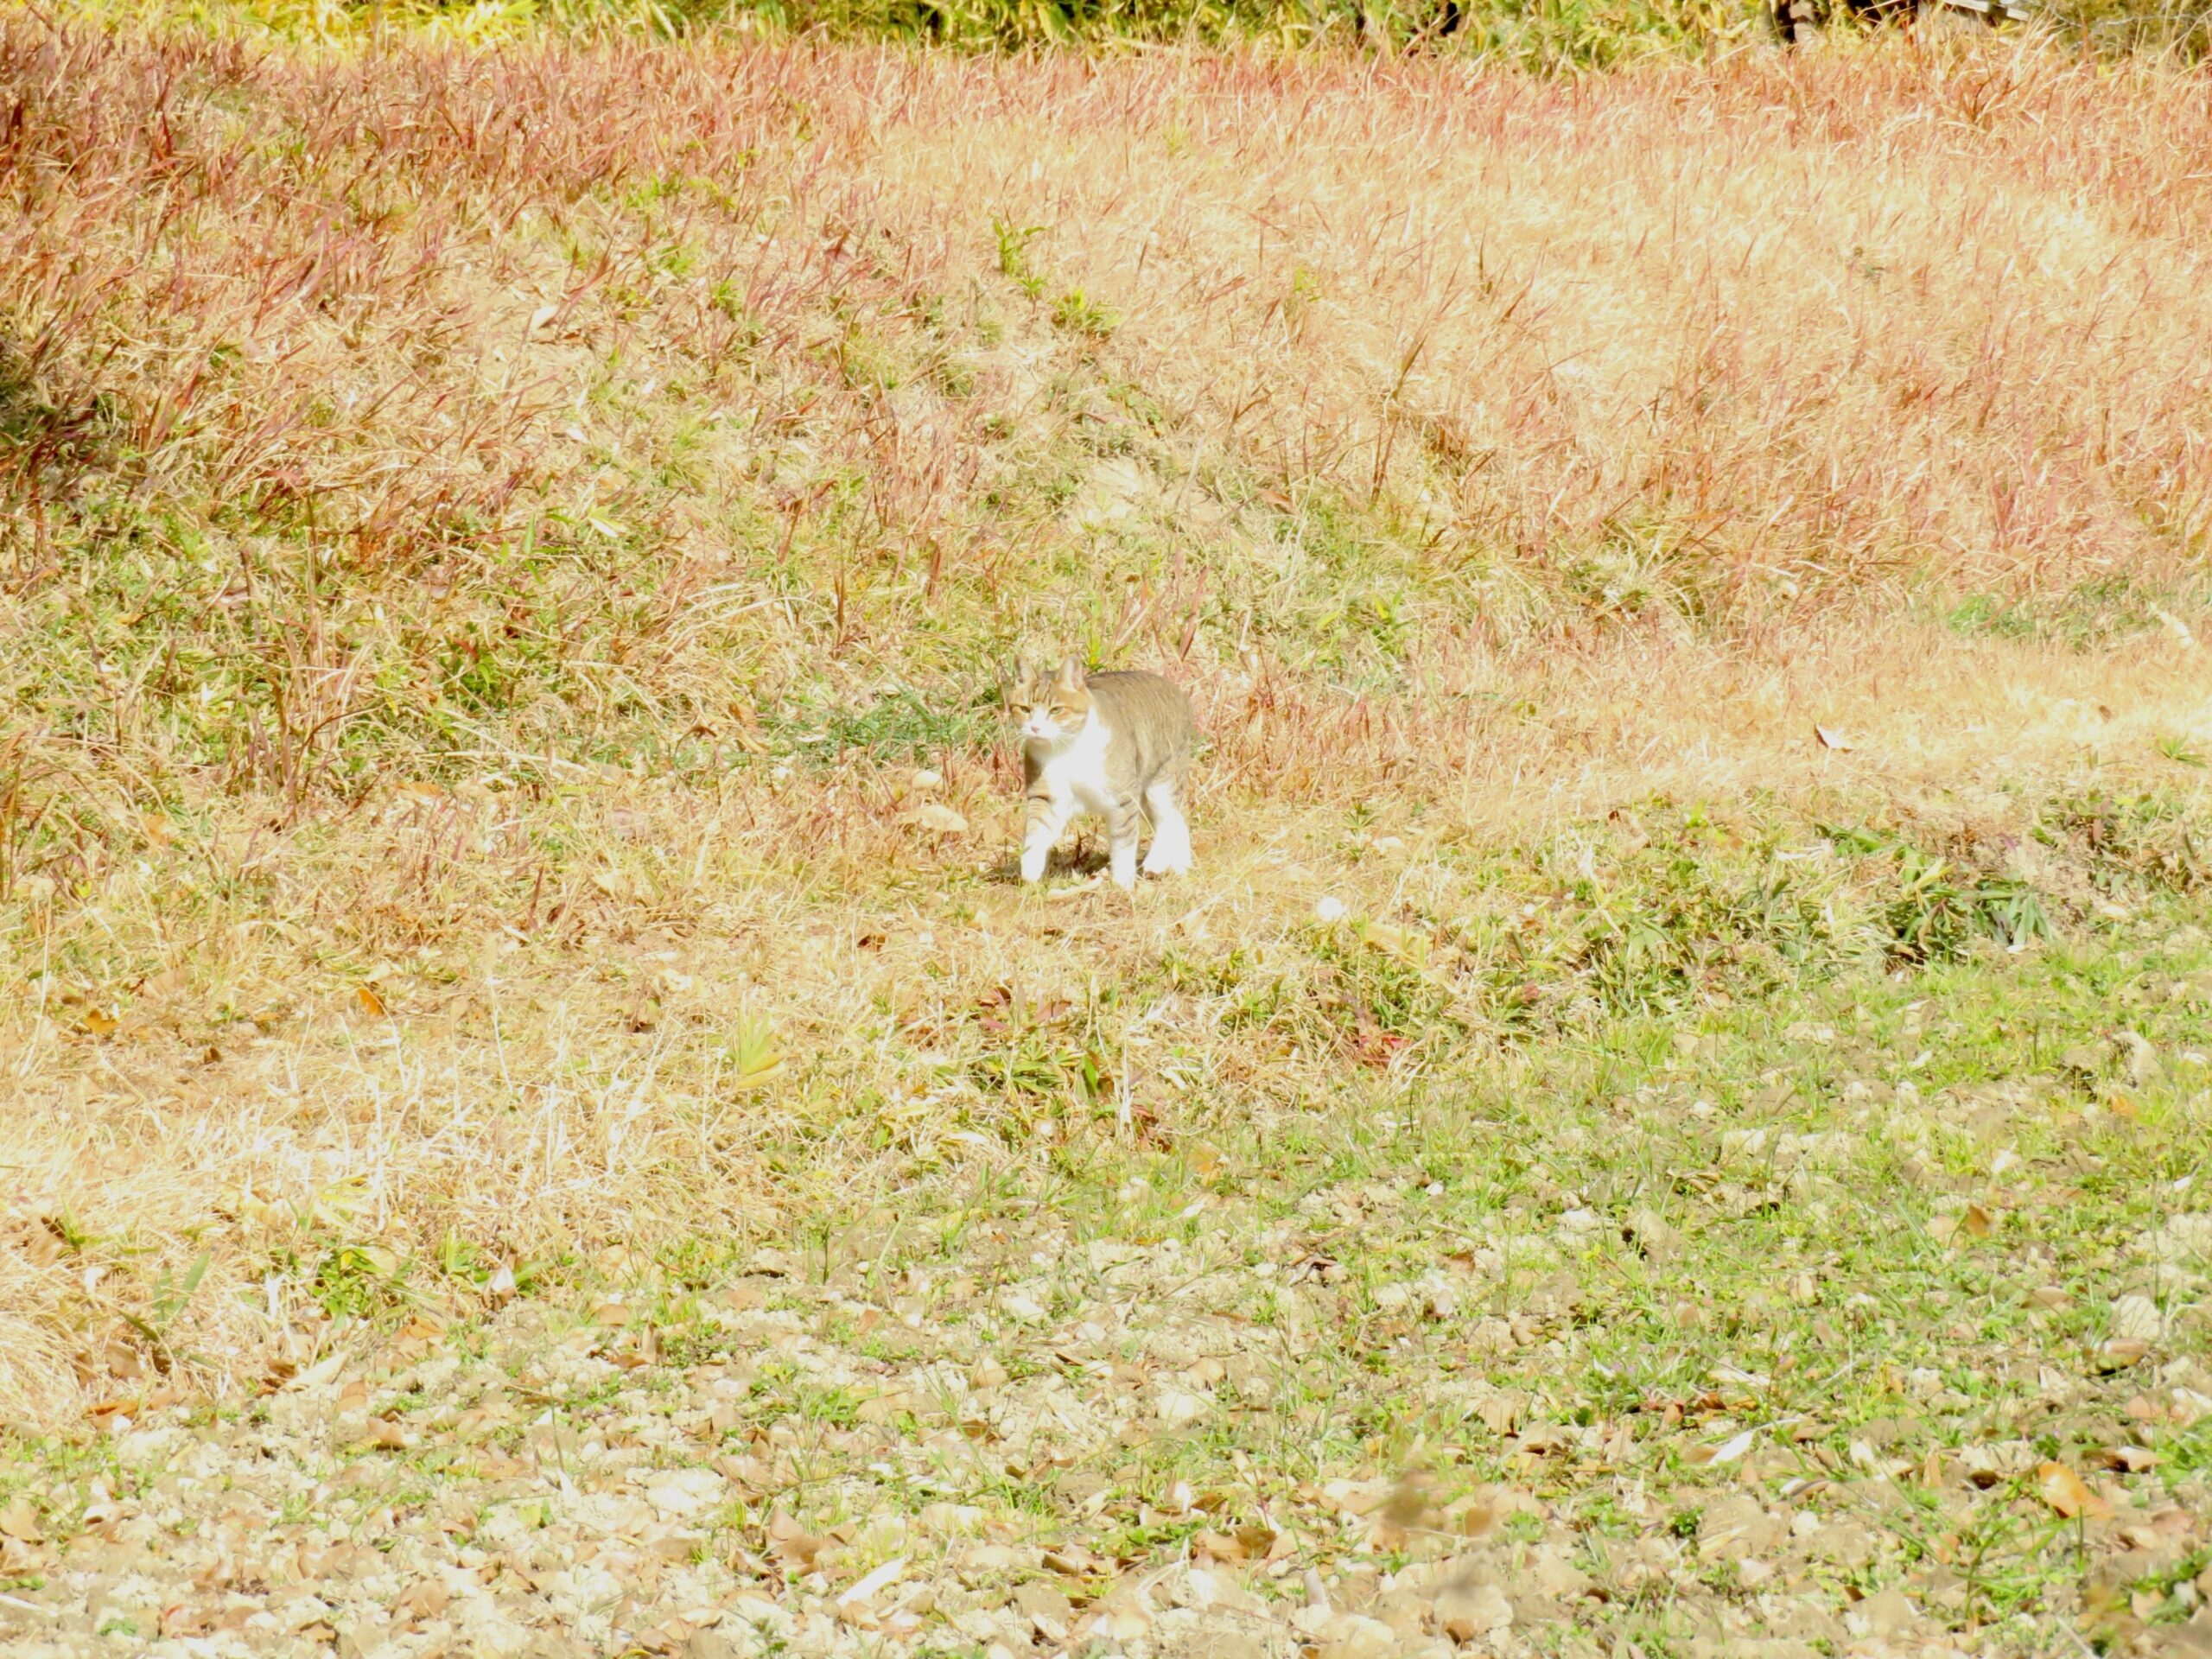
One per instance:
(1170,852)
(1033,867)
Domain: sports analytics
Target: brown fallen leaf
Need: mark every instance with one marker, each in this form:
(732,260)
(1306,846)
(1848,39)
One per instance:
(1074,1562)
(424,1598)
(2121,1352)
(1220,1546)
(2067,1493)
(1262,1543)
(2129,1459)
(20,1522)
(98,1023)
(1978,1221)
(184,1618)
(371,1004)
(793,1544)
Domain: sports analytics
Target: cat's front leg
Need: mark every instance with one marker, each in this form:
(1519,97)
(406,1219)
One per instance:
(1047,817)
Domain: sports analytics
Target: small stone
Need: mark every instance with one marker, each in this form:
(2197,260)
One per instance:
(935,818)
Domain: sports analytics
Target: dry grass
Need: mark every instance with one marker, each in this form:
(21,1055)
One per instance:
(491,536)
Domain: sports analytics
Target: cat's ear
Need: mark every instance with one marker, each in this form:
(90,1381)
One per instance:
(1070,674)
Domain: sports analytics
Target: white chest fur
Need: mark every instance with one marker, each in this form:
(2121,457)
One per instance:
(1075,771)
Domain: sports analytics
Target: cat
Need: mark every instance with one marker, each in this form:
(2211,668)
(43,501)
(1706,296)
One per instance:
(1110,744)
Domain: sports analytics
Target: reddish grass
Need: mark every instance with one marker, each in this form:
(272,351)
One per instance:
(1842,318)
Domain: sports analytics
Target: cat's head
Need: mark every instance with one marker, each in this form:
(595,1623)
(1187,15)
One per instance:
(1048,705)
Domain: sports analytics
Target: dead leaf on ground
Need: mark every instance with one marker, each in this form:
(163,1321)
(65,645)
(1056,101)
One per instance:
(2067,1493)
(793,1544)
(2121,1352)
(1727,1452)
(371,1004)
(20,1522)
(184,1619)
(425,1599)
(1244,1544)
(1074,1562)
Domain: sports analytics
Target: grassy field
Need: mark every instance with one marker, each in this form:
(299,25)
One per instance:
(1670,1117)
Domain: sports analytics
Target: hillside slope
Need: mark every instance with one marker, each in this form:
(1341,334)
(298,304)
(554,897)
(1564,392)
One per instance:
(1692,581)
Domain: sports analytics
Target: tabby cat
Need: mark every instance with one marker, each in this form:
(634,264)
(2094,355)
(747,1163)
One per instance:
(1113,745)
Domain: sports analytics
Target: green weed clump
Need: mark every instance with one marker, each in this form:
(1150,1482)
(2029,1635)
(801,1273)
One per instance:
(2179,30)
(1546,34)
